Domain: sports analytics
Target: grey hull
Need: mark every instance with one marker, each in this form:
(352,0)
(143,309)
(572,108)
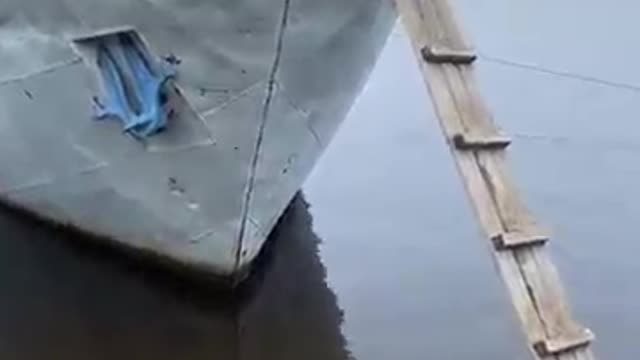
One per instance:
(263,85)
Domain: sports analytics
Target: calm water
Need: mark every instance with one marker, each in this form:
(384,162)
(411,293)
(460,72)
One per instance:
(381,257)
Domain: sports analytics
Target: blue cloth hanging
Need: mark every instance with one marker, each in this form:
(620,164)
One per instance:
(134,94)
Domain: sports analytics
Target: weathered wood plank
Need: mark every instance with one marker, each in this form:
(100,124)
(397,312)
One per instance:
(482,202)
(453,36)
(510,272)
(415,16)
(473,142)
(584,354)
(450,121)
(483,117)
(444,104)
(562,333)
(511,240)
(476,120)
(528,273)
(515,216)
(440,55)
(565,344)
(441,30)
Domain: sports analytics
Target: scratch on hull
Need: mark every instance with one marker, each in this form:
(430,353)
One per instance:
(44,70)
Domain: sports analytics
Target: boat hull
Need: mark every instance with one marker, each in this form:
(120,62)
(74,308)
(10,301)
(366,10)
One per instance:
(261,87)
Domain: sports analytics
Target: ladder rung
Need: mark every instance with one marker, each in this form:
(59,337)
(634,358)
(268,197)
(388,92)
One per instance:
(512,240)
(440,55)
(552,347)
(466,142)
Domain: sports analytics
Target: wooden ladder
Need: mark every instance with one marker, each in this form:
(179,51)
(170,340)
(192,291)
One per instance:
(479,148)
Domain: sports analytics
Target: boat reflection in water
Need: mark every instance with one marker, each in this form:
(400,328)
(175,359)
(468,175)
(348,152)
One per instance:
(62,299)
